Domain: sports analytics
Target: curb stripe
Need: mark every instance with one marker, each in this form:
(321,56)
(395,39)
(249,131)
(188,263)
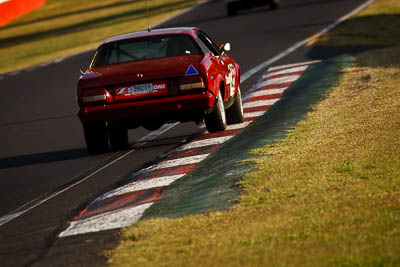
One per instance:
(264,92)
(260,103)
(208,135)
(183,169)
(208,142)
(254,114)
(174,163)
(294,65)
(140,185)
(109,220)
(289,79)
(255,109)
(193,151)
(272,76)
(271,86)
(253,98)
(237,126)
(285,71)
(130,199)
(249,119)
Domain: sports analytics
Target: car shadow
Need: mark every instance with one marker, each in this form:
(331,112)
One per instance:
(39,158)
(77,153)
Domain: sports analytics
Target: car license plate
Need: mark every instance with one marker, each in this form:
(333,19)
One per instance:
(138,90)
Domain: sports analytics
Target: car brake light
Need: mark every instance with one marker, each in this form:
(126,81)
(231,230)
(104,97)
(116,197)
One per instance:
(191,82)
(97,95)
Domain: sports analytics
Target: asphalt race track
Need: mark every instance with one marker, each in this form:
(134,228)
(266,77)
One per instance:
(45,170)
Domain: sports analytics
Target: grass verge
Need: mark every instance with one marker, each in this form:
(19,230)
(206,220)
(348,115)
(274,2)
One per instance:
(326,194)
(61,28)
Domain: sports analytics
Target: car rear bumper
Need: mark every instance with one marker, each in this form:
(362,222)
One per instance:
(180,108)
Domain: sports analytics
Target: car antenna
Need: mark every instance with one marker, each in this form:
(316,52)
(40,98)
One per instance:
(147,15)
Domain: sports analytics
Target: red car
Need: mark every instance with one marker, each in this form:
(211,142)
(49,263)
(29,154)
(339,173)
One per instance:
(149,78)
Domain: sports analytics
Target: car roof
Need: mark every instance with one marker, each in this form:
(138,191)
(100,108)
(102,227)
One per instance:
(166,31)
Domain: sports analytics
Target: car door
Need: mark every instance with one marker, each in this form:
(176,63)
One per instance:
(223,64)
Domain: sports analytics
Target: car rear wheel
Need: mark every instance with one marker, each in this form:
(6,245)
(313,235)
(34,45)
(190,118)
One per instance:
(96,137)
(216,120)
(274,4)
(234,114)
(118,137)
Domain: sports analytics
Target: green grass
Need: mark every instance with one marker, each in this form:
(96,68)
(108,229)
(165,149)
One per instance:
(61,28)
(328,194)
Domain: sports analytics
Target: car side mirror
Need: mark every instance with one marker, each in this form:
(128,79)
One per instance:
(225,47)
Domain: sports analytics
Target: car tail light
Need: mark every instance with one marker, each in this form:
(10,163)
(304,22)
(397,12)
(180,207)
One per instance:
(191,82)
(93,96)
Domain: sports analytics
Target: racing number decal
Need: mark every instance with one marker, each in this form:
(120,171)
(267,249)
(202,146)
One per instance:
(230,79)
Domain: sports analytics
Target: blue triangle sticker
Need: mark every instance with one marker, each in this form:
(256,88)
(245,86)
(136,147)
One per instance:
(191,71)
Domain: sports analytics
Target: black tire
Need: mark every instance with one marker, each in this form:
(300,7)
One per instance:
(234,114)
(96,137)
(231,9)
(216,120)
(118,137)
(274,4)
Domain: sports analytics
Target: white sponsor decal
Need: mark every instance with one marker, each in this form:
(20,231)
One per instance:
(230,79)
(159,86)
(140,89)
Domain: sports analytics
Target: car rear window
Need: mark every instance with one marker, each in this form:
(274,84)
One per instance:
(146,48)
